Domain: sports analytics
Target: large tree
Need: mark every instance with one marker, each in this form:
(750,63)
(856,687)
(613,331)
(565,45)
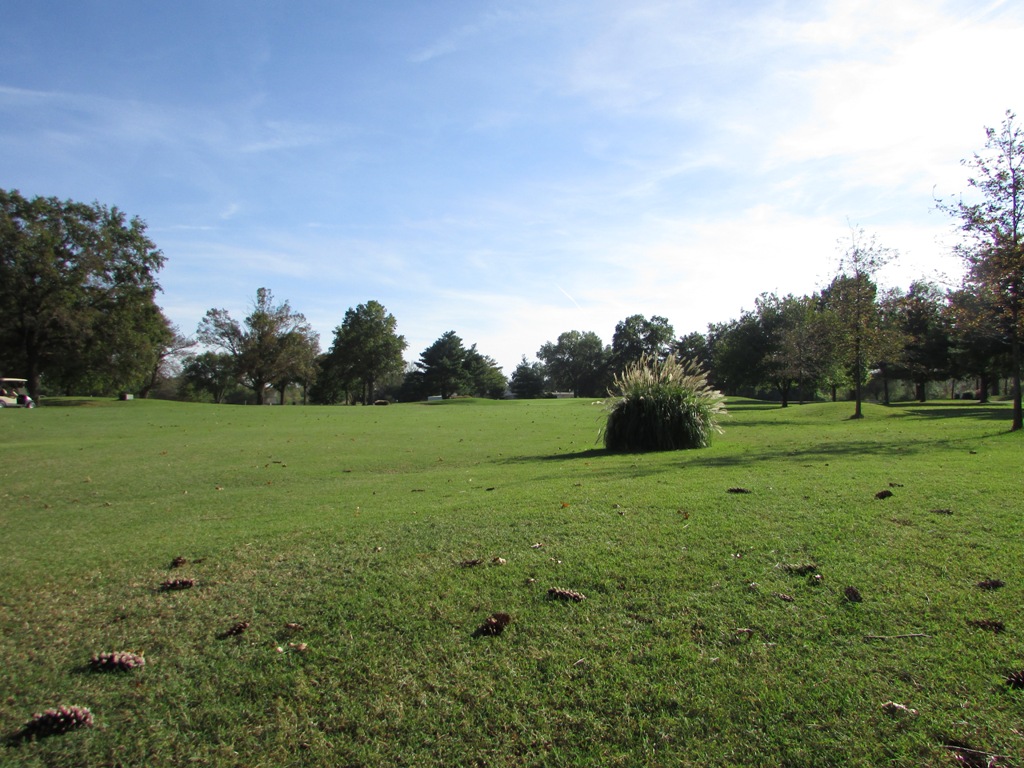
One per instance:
(528,380)
(77,293)
(366,347)
(853,298)
(268,347)
(921,336)
(485,375)
(577,362)
(992,220)
(638,336)
(441,368)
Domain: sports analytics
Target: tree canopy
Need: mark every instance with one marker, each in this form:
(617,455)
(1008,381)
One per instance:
(272,345)
(366,347)
(77,295)
(994,236)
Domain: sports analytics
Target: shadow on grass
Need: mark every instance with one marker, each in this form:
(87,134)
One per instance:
(955,411)
(66,402)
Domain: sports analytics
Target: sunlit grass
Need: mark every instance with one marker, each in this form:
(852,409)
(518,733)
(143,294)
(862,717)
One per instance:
(354,523)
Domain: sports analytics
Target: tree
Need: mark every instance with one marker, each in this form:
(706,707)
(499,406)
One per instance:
(577,362)
(922,336)
(852,296)
(167,360)
(441,366)
(636,336)
(210,372)
(268,349)
(528,380)
(994,231)
(77,292)
(366,347)
(485,376)
(979,345)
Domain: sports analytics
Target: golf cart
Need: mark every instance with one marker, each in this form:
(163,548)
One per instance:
(11,397)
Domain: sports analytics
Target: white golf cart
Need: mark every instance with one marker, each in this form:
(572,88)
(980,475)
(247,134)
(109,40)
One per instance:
(12,394)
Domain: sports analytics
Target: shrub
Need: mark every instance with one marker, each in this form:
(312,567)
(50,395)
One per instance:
(662,405)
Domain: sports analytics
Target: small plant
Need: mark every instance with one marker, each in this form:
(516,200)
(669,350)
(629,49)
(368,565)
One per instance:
(662,405)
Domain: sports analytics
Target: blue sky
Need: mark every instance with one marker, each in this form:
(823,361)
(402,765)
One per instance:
(508,170)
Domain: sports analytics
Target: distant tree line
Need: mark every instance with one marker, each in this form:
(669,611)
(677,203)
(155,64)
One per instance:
(78,315)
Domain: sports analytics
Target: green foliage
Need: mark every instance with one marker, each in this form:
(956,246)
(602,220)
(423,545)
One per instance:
(274,345)
(662,405)
(637,337)
(994,233)
(366,348)
(77,289)
(577,362)
(528,380)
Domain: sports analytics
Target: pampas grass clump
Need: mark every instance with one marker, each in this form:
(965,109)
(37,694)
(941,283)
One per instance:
(662,405)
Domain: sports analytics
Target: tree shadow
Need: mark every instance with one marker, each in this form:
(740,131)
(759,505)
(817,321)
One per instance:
(993,412)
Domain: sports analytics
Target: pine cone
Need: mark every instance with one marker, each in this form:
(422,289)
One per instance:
(566,594)
(59,720)
(784,597)
(178,562)
(471,563)
(993,625)
(883,494)
(1016,680)
(236,629)
(119,661)
(991,584)
(175,584)
(852,594)
(494,624)
(800,569)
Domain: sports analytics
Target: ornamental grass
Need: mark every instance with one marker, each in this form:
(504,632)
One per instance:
(662,405)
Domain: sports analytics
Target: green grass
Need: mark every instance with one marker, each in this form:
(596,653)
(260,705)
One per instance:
(353,522)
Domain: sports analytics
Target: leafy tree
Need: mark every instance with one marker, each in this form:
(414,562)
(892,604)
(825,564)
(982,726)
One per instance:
(77,293)
(979,347)
(577,362)
(441,367)
(636,336)
(210,372)
(803,354)
(485,376)
(167,360)
(852,297)
(694,346)
(994,230)
(366,347)
(922,336)
(268,348)
(528,380)
(739,352)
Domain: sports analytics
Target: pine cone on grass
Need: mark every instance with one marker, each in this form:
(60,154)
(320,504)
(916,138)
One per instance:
(173,585)
(991,584)
(493,625)
(56,721)
(852,594)
(1016,680)
(236,629)
(993,625)
(118,661)
(178,562)
(566,594)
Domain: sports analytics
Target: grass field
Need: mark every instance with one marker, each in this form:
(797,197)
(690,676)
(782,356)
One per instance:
(696,645)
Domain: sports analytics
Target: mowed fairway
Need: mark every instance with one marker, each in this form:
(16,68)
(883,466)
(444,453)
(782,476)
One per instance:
(695,645)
